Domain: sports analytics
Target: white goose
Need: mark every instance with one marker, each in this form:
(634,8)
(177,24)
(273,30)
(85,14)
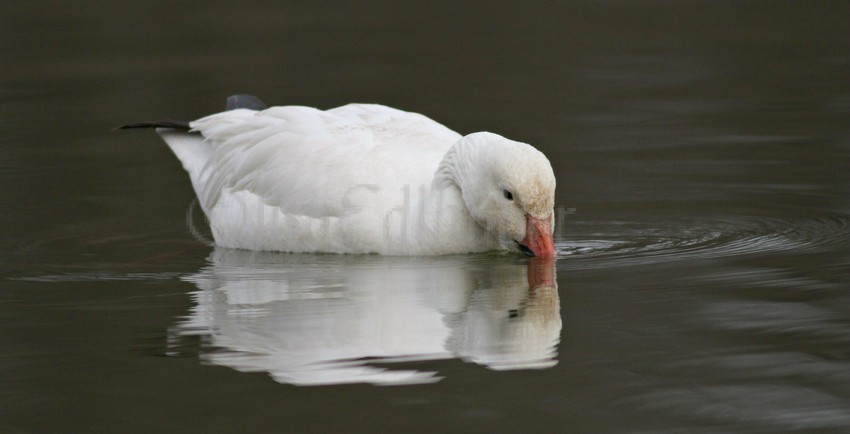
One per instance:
(362,178)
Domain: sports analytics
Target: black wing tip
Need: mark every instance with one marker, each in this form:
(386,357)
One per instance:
(165,123)
(239,101)
(244,101)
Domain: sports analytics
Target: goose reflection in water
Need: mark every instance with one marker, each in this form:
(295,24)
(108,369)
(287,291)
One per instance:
(327,319)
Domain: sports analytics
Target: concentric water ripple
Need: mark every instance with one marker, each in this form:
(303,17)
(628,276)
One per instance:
(625,243)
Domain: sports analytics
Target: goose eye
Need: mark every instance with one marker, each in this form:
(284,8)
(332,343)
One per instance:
(508,195)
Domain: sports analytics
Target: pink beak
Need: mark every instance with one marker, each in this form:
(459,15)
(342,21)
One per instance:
(538,237)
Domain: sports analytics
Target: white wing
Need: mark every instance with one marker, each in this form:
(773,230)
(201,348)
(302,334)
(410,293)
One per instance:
(306,162)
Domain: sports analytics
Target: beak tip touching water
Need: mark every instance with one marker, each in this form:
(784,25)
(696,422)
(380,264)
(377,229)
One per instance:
(538,241)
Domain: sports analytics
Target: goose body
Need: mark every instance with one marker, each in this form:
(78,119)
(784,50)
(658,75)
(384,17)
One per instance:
(363,178)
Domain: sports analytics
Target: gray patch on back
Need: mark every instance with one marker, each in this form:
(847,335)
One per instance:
(249,102)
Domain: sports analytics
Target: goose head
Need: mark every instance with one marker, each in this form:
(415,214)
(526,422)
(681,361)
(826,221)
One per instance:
(508,188)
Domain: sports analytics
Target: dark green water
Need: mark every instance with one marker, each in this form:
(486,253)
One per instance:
(702,151)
